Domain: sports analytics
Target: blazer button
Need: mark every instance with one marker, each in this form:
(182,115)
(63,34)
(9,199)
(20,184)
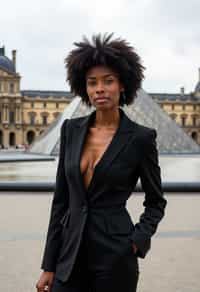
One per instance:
(85,209)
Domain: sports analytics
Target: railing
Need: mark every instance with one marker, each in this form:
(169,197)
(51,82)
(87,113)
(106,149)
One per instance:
(175,187)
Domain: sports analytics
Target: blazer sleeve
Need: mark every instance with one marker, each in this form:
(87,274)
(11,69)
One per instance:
(59,207)
(154,203)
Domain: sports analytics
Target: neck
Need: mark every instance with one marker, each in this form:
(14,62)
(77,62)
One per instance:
(107,118)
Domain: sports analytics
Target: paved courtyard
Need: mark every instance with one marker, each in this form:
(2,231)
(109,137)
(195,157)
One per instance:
(172,265)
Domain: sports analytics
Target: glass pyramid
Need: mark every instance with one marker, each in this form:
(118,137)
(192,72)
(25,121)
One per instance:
(170,139)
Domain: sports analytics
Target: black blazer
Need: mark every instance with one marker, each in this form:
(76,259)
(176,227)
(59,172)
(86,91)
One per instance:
(132,154)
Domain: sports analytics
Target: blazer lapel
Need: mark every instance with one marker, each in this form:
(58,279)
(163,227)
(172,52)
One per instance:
(119,140)
(79,133)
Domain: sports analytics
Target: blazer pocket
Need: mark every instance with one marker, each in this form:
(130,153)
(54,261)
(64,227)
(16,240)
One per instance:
(65,219)
(119,224)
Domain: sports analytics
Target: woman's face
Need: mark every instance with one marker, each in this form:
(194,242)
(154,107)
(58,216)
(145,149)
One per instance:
(103,87)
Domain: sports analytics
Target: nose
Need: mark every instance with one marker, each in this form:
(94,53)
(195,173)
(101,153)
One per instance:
(99,88)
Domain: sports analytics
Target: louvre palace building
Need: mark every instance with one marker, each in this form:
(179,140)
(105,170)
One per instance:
(25,114)
(183,108)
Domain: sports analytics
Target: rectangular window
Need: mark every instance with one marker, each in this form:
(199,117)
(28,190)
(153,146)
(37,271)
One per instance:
(18,113)
(12,117)
(32,120)
(44,120)
(11,88)
(183,121)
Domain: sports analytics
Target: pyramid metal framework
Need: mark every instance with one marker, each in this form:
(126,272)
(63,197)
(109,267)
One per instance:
(171,138)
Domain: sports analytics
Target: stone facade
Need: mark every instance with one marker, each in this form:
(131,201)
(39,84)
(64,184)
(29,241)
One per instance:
(24,115)
(183,108)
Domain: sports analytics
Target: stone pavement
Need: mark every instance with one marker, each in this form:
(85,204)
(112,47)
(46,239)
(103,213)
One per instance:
(172,265)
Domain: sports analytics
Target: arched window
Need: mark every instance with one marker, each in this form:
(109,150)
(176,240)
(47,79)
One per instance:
(12,139)
(30,136)
(194,135)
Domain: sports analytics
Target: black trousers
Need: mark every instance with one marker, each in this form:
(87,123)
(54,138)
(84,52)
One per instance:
(121,277)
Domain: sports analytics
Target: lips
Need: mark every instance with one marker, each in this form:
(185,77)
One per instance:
(102,98)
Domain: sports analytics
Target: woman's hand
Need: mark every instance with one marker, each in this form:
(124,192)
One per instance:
(45,282)
(134,248)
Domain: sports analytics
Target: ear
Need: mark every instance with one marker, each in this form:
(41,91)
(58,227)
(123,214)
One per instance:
(121,87)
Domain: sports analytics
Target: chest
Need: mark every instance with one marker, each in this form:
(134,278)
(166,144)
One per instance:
(96,143)
(103,158)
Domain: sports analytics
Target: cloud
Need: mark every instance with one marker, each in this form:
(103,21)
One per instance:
(165,34)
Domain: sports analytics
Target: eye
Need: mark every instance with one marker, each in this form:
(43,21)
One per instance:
(91,82)
(108,81)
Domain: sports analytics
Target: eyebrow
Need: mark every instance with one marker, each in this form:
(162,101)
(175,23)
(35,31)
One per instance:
(104,76)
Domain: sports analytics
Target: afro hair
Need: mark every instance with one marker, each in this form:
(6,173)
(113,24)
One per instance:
(117,54)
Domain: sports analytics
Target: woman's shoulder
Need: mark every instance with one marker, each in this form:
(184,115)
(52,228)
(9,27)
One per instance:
(145,131)
(146,137)
(73,121)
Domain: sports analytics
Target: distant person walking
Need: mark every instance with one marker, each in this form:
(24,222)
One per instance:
(92,244)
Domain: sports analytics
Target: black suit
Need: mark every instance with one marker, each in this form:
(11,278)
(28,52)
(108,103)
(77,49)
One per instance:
(98,213)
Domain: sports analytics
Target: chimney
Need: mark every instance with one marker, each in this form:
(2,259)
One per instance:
(2,51)
(14,58)
(182,91)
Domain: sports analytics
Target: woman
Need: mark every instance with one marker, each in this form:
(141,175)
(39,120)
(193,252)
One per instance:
(92,244)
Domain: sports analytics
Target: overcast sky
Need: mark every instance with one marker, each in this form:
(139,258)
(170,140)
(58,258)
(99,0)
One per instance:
(165,33)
